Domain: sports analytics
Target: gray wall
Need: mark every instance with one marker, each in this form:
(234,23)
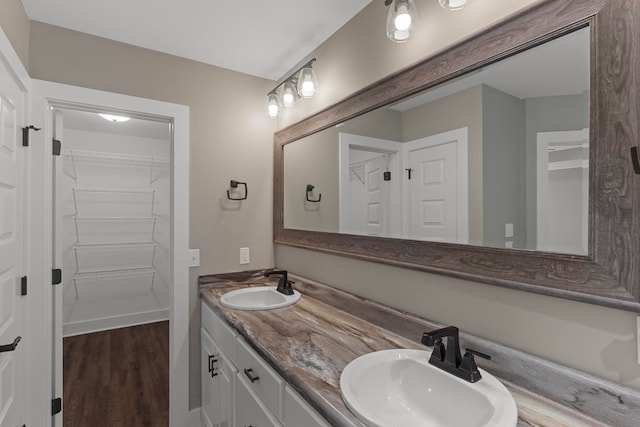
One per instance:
(230,135)
(15,25)
(502,136)
(595,339)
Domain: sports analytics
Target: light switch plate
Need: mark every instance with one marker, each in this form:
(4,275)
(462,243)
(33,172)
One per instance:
(245,257)
(194,258)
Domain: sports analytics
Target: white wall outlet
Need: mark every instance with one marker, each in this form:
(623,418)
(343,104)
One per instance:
(508,244)
(508,230)
(194,258)
(245,257)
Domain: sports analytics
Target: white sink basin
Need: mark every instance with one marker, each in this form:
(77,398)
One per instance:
(400,388)
(258,298)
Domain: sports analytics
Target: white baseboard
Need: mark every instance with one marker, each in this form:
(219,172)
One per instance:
(97,325)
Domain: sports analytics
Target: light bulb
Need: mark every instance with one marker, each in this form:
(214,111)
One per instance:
(454,4)
(272,105)
(289,94)
(307,85)
(403,19)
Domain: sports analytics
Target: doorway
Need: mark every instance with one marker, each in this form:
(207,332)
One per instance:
(113,198)
(49,99)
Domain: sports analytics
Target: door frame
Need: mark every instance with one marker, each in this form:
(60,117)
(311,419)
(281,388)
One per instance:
(46,95)
(347,141)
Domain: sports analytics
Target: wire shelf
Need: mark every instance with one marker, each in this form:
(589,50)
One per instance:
(101,257)
(124,280)
(123,202)
(99,156)
(105,230)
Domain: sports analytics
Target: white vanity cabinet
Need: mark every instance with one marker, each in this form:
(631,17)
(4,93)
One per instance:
(240,389)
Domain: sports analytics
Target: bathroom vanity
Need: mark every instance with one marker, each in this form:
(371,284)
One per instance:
(298,353)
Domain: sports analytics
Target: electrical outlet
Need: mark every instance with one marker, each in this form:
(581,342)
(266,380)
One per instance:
(245,257)
(194,258)
(508,244)
(638,337)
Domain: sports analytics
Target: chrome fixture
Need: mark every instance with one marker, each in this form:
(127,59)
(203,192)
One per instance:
(402,17)
(301,83)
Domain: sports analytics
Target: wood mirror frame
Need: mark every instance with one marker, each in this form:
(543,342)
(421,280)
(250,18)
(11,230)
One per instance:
(610,274)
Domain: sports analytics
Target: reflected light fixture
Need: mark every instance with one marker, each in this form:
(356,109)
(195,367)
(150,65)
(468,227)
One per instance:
(300,83)
(401,20)
(114,118)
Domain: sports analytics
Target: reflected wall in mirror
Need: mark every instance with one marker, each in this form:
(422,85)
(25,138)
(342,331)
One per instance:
(498,157)
(549,163)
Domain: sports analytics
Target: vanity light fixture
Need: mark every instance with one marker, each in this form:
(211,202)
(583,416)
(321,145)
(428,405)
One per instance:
(401,20)
(402,17)
(113,118)
(454,4)
(300,83)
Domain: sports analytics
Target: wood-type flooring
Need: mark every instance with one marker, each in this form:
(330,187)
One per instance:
(117,378)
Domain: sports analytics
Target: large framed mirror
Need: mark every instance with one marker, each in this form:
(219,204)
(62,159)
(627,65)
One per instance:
(505,159)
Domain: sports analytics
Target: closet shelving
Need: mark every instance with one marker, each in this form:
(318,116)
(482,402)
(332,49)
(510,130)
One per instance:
(114,227)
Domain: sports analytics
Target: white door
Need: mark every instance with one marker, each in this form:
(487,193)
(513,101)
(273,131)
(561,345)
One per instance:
(12,372)
(437,189)
(377,197)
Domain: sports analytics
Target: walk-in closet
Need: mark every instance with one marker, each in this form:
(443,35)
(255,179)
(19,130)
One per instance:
(115,193)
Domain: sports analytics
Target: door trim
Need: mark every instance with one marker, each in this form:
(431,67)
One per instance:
(45,95)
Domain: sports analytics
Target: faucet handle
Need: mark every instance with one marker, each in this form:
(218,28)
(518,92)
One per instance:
(477,353)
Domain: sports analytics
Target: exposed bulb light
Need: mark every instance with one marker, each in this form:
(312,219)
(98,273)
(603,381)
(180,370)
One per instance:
(273,107)
(454,4)
(401,20)
(307,84)
(289,95)
(297,84)
(113,118)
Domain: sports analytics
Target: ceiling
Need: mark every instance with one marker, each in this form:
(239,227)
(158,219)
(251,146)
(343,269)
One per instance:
(258,37)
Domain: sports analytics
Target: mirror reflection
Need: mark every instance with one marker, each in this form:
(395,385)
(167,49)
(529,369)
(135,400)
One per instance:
(498,157)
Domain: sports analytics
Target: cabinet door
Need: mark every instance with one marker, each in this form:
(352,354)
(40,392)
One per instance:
(297,412)
(217,385)
(249,411)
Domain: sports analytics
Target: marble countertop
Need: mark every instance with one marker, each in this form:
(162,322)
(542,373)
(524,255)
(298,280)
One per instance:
(310,343)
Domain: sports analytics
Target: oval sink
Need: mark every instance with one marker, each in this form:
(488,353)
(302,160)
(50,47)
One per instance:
(400,388)
(258,298)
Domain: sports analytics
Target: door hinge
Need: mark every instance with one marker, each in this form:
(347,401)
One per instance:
(25,134)
(56,276)
(23,285)
(57,147)
(56,406)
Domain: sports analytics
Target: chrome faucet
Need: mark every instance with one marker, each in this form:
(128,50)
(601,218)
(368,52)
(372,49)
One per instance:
(450,359)
(284,284)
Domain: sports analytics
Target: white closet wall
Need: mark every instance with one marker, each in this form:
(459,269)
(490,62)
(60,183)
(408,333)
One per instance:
(116,257)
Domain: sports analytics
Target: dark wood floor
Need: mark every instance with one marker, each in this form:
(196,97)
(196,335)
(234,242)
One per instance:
(117,378)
